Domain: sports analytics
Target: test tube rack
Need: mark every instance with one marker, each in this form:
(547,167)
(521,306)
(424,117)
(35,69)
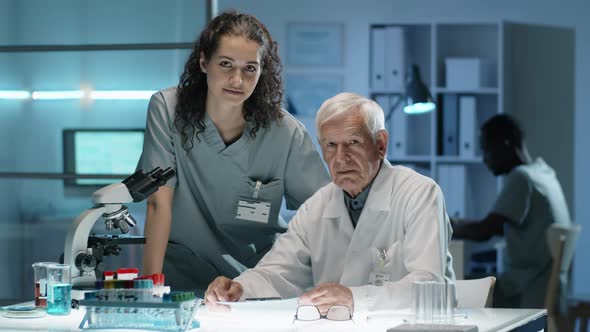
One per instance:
(160,314)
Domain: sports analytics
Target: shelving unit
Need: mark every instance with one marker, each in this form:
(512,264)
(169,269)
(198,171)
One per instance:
(444,144)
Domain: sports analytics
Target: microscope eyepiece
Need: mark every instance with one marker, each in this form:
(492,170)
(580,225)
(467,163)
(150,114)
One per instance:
(168,174)
(142,185)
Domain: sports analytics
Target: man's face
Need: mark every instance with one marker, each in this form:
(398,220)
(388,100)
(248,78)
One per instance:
(353,157)
(496,154)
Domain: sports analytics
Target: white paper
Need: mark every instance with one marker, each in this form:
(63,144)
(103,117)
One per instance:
(287,305)
(274,314)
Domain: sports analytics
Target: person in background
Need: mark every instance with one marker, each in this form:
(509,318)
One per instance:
(530,201)
(236,154)
(361,240)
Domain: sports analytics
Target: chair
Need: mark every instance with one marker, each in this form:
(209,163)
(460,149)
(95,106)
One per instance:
(561,240)
(579,310)
(475,293)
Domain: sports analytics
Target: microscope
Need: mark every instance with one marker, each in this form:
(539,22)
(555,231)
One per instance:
(84,253)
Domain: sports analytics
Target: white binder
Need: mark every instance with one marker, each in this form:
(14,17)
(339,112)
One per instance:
(398,133)
(451,179)
(442,179)
(394,59)
(383,101)
(467,126)
(378,59)
(458,176)
(450,125)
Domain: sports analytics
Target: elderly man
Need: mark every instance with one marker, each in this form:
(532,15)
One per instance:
(361,240)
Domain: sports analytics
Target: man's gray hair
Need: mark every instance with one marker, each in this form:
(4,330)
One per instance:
(345,101)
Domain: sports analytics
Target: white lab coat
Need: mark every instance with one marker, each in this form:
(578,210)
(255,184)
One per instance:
(404,215)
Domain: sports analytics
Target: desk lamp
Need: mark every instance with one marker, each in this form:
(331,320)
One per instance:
(417,96)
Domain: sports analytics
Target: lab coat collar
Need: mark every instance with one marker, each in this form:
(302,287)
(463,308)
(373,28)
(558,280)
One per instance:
(380,195)
(378,199)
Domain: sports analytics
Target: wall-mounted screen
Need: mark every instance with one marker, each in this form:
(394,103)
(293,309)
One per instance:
(102,152)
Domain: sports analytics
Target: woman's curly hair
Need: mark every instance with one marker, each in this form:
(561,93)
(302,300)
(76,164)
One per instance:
(263,106)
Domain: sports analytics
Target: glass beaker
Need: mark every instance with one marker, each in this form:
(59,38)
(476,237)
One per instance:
(59,289)
(40,272)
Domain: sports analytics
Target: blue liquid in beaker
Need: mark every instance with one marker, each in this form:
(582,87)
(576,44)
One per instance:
(59,299)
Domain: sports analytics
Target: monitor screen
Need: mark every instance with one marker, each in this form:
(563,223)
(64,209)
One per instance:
(101,151)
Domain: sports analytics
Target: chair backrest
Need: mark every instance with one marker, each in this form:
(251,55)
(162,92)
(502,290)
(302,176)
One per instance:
(562,242)
(475,293)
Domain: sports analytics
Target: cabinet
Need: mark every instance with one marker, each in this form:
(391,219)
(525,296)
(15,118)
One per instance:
(474,71)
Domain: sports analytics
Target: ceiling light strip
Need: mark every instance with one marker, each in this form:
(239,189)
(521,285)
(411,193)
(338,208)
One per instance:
(77,94)
(14,94)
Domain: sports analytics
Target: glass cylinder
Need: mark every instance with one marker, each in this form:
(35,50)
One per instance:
(438,302)
(417,292)
(59,289)
(451,302)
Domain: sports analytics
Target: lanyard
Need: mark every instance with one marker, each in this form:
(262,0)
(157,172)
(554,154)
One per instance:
(256,190)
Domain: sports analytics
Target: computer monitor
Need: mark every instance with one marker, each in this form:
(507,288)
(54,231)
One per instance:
(101,151)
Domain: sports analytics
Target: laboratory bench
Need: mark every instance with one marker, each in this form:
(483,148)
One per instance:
(486,319)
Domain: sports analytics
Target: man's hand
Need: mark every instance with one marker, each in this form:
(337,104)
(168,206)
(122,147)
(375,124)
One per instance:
(326,295)
(222,289)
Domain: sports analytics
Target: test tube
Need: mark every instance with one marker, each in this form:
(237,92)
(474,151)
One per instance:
(417,291)
(450,302)
(109,275)
(438,309)
(109,296)
(149,289)
(428,301)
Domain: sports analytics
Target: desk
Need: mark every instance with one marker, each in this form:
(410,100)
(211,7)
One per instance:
(488,320)
(521,320)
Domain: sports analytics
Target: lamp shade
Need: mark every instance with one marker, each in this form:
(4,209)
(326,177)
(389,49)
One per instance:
(418,98)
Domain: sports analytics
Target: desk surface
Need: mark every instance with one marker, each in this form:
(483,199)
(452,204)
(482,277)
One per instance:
(486,319)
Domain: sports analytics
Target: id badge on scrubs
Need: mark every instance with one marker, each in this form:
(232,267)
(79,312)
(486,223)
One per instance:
(253,209)
(378,276)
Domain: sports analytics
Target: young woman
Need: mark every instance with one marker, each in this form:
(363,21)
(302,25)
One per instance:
(236,154)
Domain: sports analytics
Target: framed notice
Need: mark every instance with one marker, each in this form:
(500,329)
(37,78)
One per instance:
(315,44)
(306,93)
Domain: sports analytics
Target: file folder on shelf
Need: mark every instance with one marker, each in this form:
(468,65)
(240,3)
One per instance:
(468,126)
(452,180)
(394,59)
(398,132)
(378,58)
(449,129)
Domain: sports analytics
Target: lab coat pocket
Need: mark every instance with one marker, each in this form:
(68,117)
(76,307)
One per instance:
(389,260)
